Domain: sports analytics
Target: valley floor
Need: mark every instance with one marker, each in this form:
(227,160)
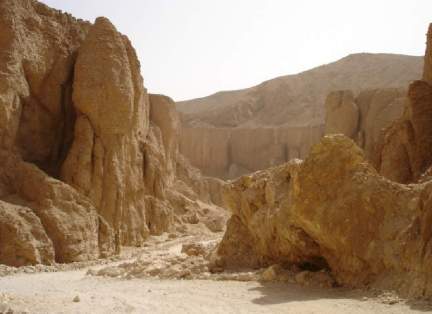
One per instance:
(54,292)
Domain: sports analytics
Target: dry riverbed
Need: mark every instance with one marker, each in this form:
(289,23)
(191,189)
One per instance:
(179,283)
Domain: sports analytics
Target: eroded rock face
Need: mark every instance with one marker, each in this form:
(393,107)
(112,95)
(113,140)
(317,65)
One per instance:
(233,133)
(88,158)
(332,211)
(404,151)
(427,68)
(23,239)
(39,46)
(68,218)
(403,154)
(342,113)
(112,124)
(231,152)
(38,51)
(364,116)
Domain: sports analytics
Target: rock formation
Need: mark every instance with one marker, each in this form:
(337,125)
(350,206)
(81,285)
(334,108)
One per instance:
(88,157)
(297,100)
(364,116)
(342,113)
(230,152)
(403,154)
(243,120)
(332,211)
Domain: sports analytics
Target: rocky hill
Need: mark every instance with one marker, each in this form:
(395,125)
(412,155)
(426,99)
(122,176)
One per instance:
(297,100)
(282,117)
(88,159)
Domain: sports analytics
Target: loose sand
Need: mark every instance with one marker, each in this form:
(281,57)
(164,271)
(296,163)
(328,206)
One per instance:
(74,291)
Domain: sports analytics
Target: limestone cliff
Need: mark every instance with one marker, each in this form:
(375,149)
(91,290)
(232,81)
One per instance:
(265,125)
(88,157)
(231,152)
(362,117)
(403,153)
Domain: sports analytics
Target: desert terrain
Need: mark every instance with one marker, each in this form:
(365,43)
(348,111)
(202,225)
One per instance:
(75,290)
(308,193)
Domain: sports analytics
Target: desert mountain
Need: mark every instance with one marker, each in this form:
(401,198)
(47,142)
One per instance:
(298,100)
(233,133)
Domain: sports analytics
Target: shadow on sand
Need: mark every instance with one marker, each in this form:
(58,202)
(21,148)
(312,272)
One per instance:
(279,293)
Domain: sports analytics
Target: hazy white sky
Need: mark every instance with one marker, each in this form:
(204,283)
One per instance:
(192,48)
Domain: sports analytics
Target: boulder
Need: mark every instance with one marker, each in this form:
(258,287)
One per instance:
(23,239)
(332,212)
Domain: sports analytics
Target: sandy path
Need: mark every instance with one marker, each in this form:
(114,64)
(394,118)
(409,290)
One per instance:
(54,292)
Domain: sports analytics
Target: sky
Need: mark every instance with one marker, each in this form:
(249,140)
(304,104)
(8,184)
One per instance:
(193,48)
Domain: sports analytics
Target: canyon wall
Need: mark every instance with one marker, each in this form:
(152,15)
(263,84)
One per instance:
(362,117)
(403,153)
(237,132)
(88,159)
(231,152)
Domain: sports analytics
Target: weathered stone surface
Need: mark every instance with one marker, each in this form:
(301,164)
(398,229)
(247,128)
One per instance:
(342,114)
(69,219)
(427,68)
(233,133)
(379,108)
(82,144)
(112,123)
(230,152)
(403,154)
(363,117)
(258,233)
(38,50)
(164,115)
(332,211)
(23,239)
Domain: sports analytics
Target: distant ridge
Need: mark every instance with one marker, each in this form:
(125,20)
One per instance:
(298,99)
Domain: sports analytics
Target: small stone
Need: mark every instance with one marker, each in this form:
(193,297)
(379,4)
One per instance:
(76,299)
(301,278)
(271,273)
(172,236)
